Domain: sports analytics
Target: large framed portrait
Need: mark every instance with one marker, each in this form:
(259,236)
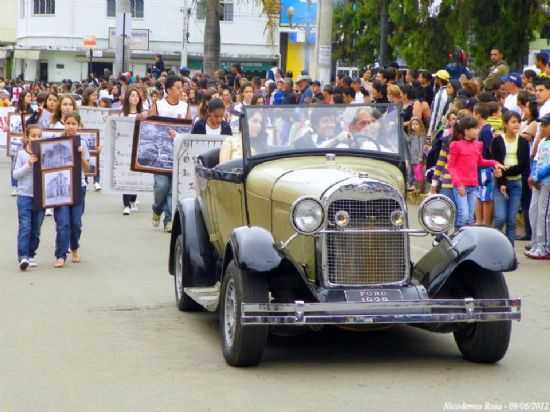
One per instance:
(153,148)
(58,171)
(91,137)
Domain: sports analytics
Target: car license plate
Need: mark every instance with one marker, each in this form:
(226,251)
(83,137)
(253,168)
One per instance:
(373,295)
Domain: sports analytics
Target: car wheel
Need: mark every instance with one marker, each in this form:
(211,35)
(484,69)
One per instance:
(242,346)
(484,342)
(184,302)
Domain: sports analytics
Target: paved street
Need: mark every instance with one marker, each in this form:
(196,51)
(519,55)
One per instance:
(106,336)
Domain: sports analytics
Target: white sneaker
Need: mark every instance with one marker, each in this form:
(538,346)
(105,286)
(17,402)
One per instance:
(32,263)
(97,187)
(133,207)
(126,211)
(49,212)
(13,191)
(24,264)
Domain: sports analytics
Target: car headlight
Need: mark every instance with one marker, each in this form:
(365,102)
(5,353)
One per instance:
(437,214)
(307,215)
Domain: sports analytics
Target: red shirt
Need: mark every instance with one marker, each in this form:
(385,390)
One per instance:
(464,160)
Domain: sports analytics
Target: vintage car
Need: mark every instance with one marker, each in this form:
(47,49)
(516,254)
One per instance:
(311,227)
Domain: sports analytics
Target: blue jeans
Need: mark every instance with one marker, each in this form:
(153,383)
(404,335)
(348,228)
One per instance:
(163,196)
(30,222)
(506,208)
(13,181)
(465,206)
(68,226)
(449,193)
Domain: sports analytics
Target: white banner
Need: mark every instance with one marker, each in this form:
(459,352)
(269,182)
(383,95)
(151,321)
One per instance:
(4,111)
(116,158)
(96,118)
(186,150)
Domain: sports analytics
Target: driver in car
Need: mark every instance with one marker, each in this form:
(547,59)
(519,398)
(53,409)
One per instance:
(324,126)
(358,130)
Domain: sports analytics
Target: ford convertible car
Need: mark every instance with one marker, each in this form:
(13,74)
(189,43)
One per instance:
(310,227)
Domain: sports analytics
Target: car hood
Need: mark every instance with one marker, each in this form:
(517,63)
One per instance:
(285,180)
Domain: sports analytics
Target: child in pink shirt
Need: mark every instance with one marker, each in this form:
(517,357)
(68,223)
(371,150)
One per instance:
(465,157)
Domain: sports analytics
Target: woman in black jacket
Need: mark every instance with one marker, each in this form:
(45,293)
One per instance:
(513,152)
(214,123)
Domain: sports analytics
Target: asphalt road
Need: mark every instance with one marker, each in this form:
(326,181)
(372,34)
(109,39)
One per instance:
(105,335)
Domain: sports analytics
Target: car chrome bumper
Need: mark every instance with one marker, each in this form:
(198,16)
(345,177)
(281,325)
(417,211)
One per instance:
(412,311)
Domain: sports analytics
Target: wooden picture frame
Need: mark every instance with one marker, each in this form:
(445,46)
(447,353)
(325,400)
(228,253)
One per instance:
(16,128)
(93,168)
(52,133)
(58,172)
(153,148)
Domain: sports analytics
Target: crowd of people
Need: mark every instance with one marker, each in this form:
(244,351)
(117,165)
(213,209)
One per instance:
(483,142)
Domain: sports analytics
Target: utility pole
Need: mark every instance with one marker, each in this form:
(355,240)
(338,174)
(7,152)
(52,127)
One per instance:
(123,28)
(324,41)
(186,11)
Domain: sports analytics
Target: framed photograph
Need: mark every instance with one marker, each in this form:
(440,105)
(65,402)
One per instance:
(14,144)
(57,187)
(52,133)
(93,167)
(58,172)
(153,148)
(56,153)
(91,137)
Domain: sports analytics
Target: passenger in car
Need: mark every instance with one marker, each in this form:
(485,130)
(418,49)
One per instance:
(232,146)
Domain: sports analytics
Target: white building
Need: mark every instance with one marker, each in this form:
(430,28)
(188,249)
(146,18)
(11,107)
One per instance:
(50,36)
(7,33)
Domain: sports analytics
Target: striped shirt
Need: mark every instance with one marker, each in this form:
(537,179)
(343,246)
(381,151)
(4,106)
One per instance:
(442,177)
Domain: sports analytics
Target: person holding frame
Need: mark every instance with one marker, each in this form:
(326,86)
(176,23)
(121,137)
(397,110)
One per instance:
(131,107)
(30,218)
(68,219)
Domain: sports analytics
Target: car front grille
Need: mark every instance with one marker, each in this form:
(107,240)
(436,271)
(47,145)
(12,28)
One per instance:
(354,257)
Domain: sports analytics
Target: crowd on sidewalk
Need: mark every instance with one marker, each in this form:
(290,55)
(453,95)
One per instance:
(483,142)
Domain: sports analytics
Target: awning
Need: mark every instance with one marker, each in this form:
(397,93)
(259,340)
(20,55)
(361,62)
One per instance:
(27,54)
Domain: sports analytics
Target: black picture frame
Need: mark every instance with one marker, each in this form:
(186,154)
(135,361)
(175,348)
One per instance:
(151,138)
(51,181)
(15,133)
(93,167)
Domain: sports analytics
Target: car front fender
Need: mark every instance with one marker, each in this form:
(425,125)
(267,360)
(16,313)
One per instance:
(253,249)
(486,247)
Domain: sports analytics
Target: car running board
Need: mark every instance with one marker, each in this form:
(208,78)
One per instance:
(207,297)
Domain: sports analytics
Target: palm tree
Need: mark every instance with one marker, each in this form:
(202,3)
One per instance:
(270,8)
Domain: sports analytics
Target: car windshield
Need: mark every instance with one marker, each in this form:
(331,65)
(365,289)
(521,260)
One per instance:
(274,129)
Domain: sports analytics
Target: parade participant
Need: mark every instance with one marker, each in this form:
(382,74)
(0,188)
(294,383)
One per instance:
(48,110)
(214,123)
(68,219)
(171,106)
(513,151)
(90,97)
(415,140)
(30,218)
(131,107)
(540,177)
(465,158)
(67,105)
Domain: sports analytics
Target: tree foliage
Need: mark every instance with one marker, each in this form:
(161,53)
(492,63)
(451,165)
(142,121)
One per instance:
(424,32)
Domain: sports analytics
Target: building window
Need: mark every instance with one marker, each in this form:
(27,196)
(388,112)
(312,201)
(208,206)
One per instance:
(111,8)
(44,6)
(226,10)
(136,8)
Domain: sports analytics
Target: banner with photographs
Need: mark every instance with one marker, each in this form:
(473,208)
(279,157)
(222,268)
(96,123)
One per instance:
(186,150)
(153,147)
(4,125)
(116,159)
(57,173)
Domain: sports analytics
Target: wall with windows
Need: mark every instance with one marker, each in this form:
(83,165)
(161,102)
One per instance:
(60,26)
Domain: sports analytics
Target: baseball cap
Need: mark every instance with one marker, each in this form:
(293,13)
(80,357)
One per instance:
(443,75)
(513,78)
